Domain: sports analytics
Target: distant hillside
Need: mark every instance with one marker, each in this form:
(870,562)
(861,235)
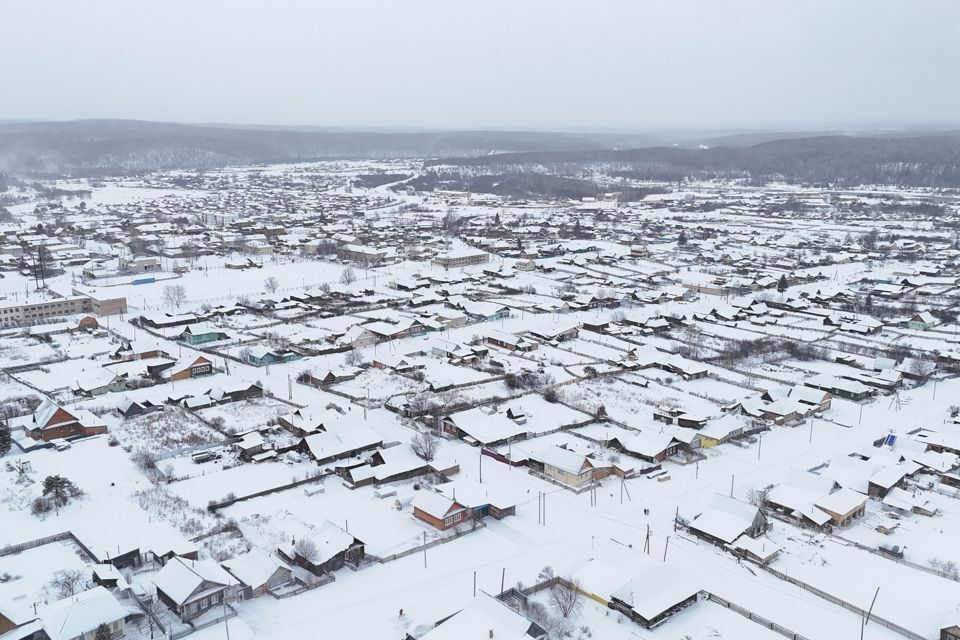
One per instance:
(91,147)
(99,147)
(931,161)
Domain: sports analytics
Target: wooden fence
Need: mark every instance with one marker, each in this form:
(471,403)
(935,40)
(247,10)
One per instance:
(214,506)
(432,543)
(33,544)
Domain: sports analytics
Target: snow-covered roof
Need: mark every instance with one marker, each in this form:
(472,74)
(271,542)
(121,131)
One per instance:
(81,613)
(655,589)
(486,617)
(725,519)
(842,501)
(254,568)
(435,504)
(179,578)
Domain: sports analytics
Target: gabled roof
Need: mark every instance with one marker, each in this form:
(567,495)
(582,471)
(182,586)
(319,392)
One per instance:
(81,613)
(562,459)
(254,568)
(436,505)
(656,589)
(180,578)
(485,617)
(46,411)
(842,501)
(725,519)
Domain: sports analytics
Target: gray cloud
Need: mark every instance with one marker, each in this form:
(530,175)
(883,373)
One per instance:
(491,63)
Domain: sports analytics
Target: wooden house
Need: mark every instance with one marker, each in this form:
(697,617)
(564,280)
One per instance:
(51,421)
(190,588)
(258,573)
(438,511)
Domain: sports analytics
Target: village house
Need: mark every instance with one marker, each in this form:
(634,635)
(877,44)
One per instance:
(487,616)
(509,341)
(480,500)
(654,595)
(202,333)
(330,546)
(566,467)
(50,421)
(726,519)
(190,588)
(439,511)
(79,616)
(258,573)
(189,366)
(260,356)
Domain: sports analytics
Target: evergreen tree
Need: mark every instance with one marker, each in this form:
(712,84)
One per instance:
(6,440)
(782,285)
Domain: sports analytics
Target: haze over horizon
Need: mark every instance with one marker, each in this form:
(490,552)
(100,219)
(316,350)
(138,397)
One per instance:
(561,65)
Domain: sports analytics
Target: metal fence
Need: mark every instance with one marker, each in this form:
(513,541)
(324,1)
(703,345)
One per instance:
(846,605)
(754,617)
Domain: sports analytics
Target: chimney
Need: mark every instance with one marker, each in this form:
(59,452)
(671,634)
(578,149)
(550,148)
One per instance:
(491,633)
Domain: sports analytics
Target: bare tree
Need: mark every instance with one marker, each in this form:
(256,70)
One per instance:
(922,368)
(353,358)
(271,284)
(174,295)
(306,549)
(545,574)
(566,597)
(67,582)
(425,445)
(347,276)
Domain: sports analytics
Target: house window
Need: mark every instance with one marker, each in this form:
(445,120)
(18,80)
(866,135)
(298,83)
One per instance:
(204,604)
(215,598)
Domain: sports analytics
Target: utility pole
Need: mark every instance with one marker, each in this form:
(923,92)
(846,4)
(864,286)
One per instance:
(865,619)
(226,627)
(811,431)
(731,485)
(646,542)
(759,445)
(503,578)
(665,547)
(424,549)
(474,584)
(481,464)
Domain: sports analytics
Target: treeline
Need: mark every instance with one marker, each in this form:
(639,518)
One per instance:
(921,161)
(371,180)
(113,147)
(517,185)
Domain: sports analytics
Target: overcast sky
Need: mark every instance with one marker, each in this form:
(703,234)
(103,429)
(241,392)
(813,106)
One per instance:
(562,64)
